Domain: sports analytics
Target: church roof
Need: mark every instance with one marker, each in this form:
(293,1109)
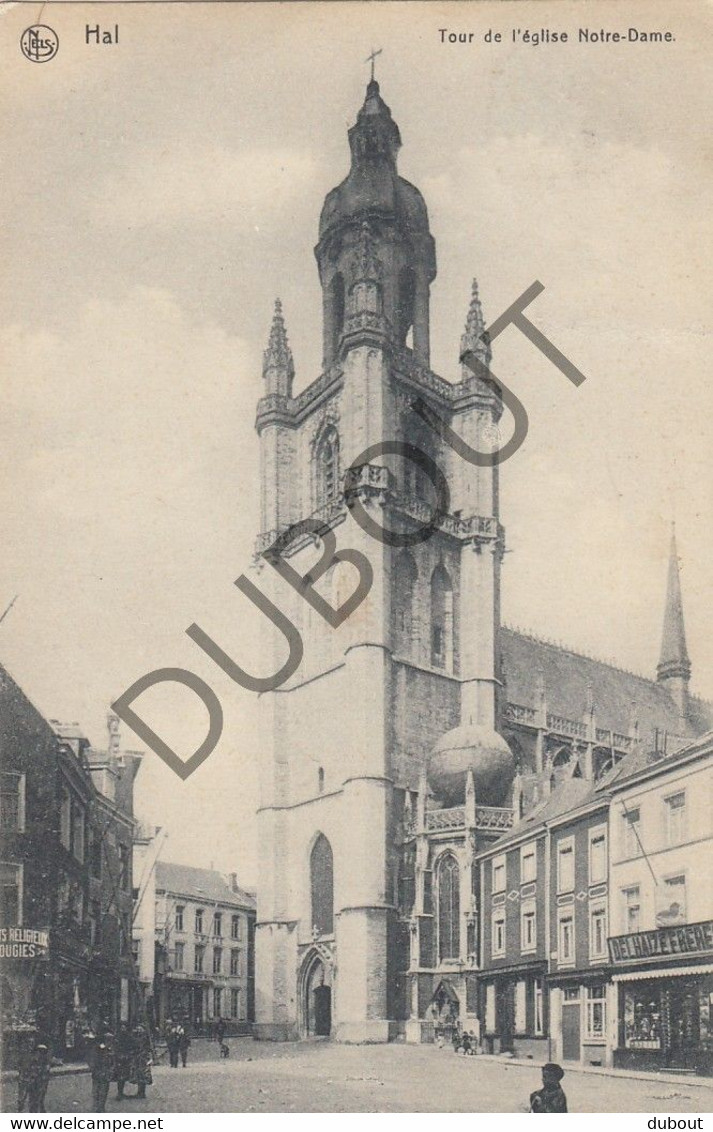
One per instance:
(568,795)
(205,885)
(572,681)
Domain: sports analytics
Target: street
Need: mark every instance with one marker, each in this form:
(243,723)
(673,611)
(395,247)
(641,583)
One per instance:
(322,1076)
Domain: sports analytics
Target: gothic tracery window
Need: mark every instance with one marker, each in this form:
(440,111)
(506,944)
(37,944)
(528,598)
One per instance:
(441,619)
(321,868)
(327,460)
(448,907)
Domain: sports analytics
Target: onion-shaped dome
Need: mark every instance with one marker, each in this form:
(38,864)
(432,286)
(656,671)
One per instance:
(471,747)
(373,185)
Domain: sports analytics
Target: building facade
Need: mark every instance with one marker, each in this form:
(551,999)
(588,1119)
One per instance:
(205,947)
(66,822)
(411,728)
(661,938)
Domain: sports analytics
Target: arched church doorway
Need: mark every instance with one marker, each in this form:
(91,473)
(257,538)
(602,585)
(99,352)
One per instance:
(317,998)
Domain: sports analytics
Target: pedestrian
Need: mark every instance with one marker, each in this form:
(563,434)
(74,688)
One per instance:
(172,1043)
(38,1078)
(184,1042)
(102,1072)
(220,1030)
(143,1061)
(123,1059)
(551,1097)
(24,1060)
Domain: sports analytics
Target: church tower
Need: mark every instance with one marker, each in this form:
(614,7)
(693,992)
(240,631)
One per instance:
(395,708)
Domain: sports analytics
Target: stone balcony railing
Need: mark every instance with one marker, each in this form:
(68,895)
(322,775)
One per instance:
(453,818)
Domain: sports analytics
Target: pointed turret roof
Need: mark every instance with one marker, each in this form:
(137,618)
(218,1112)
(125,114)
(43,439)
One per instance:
(474,326)
(278,355)
(674,660)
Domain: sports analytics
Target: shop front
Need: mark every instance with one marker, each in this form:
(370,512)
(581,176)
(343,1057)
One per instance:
(664,981)
(581,1006)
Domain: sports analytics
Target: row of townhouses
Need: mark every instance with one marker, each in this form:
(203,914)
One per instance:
(95,929)
(596,934)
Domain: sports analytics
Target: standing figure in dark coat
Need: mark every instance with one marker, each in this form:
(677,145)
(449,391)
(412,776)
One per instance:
(551,1097)
(184,1042)
(123,1059)
(220,1030)
(102,1072)
(172,1036)
(24,1061)
(38,1078)
(143,1059)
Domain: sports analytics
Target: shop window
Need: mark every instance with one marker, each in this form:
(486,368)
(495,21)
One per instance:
(520,1007)
(235,962)
(598,932)
(632,909)
(528,927)
(642,1017)
(178,918)
(490,1008)
(217,924)
(528,864)
(675,818)
(198,958)
(235,1002)
(12,802)
(671,901)
(565,866)
(235,928)
(322,886)
(448,907)
(10,894)
(565,943)
(499,874)
(597,856)
(217,960)
(632,832)
(178,956)
(498,932)
(595,1023)
(539,1008)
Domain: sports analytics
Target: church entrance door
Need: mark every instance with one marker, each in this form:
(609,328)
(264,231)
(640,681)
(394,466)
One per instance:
(316,998)
(322,1011)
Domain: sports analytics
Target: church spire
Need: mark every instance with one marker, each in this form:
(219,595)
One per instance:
(474,328)
(278,367)
(674,666)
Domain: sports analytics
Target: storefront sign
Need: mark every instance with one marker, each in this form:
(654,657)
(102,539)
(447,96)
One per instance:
(685,939)
(23,943)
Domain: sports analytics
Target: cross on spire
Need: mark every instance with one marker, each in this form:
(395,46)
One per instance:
(372,59)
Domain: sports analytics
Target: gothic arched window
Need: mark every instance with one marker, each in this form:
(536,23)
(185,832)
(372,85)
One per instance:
(441,619)
(327,459)
(448,880)
(321,875)
(403,588)
(417,483)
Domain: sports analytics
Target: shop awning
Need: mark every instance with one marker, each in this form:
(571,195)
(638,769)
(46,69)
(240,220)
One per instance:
(662,973)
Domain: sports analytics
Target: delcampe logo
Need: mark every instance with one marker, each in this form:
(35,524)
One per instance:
(39,43)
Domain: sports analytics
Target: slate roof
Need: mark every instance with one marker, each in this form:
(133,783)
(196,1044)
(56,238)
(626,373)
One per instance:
(204,885)
(641,760)
(619,696)
(570,794)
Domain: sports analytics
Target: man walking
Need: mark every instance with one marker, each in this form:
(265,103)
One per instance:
(184,1042)
(102,1070)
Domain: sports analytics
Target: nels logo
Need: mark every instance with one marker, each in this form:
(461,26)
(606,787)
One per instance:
(39,43)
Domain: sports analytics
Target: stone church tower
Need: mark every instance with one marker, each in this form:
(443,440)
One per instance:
(396,708)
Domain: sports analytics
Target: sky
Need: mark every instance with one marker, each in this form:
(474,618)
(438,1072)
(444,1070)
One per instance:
(159,193)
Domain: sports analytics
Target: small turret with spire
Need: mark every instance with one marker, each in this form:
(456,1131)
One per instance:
(472,338)
(674,667)
(278,368)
